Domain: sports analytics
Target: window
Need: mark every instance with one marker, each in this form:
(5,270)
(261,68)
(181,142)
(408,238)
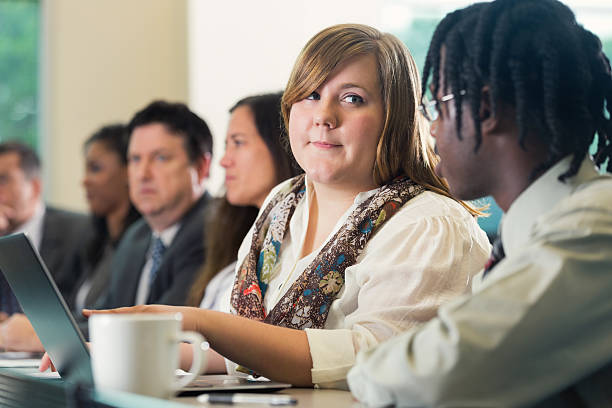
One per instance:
(414,21)
(19,33)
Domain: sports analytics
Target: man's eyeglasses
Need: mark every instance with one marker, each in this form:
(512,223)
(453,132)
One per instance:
(429,108)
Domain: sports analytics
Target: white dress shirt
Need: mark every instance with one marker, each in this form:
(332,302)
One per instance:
(540,321)
(33,227)
(422,257)
(166,236)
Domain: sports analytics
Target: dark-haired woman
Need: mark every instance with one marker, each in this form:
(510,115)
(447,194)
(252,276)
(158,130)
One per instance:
(254,161)
(106,189)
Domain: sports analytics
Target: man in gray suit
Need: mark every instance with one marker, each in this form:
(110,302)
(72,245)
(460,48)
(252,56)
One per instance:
(55,233)
(169,156)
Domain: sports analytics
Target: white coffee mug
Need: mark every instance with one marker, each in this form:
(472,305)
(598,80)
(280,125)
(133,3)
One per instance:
(139,353)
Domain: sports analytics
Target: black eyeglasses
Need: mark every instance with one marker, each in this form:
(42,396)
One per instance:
(429,108)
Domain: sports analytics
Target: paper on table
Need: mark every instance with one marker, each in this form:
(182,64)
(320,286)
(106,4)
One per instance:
(25,362)
(46,374)
(20,355)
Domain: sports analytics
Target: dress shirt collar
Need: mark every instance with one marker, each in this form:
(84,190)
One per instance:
(168,234)
(33,227)
(538,198)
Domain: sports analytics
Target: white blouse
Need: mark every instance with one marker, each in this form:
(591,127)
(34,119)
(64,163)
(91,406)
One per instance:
(423,256)
(217,287)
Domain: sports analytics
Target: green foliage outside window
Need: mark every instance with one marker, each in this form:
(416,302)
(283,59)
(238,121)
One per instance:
(19,33)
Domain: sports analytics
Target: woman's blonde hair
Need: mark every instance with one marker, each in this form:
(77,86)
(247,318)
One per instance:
(405,147)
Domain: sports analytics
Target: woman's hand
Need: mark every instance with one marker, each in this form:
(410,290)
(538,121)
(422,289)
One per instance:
(190,314)
(45,364)
(18,334)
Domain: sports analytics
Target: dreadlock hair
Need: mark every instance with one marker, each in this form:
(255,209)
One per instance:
(534,56)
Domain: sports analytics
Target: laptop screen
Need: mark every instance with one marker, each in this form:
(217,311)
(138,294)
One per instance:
(43,304)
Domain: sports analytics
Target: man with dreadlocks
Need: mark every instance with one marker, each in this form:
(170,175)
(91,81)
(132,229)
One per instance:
(520,93)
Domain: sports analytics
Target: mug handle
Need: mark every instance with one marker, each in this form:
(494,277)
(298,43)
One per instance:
(196,340)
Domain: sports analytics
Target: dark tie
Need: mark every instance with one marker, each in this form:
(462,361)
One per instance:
(157,255)
(497,254)
(8,301)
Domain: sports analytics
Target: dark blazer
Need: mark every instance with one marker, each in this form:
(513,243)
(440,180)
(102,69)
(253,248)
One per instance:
(62,236)
(180,262)
(62,232)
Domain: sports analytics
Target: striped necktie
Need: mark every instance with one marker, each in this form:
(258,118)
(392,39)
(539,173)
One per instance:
(157,254)
(8,301)
(497,254)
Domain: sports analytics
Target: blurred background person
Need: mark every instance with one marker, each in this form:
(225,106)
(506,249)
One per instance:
(169,155)
(57,234)
(168,159)
(106,189)
(255,160)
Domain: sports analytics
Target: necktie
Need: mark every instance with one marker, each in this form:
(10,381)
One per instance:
(497,254)
(8,302)
(157,254)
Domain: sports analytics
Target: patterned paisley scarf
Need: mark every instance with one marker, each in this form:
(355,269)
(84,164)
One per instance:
(306,303)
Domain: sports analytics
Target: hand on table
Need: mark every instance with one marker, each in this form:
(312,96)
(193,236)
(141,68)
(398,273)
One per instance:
(17,334)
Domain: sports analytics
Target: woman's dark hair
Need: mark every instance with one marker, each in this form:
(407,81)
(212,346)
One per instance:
(266,110)
(228,224)
(534,56)
(115,138)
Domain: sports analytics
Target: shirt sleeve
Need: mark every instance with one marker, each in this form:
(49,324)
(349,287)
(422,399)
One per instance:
(412,266)
(540,321)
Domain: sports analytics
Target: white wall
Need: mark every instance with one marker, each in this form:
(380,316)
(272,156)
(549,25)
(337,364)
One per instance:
(239,48)
(101,61)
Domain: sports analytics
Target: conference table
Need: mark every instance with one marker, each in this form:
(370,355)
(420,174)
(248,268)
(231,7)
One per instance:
(18,388)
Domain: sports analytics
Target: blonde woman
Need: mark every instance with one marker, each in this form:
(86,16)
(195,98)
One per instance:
(366,245)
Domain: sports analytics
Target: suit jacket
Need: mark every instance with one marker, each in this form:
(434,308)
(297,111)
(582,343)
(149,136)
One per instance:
(62,236)
(96,277)
(62,233)
(180,263)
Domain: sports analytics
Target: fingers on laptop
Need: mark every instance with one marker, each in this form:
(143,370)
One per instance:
(45,363)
